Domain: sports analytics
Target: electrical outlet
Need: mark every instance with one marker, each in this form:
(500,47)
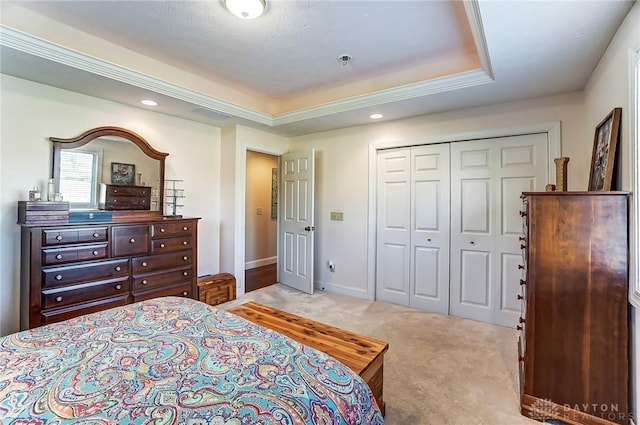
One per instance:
(258,211)
(337,215)
(332,266)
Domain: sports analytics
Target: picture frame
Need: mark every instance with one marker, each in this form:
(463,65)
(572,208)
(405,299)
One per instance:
(124,174)
(604,152)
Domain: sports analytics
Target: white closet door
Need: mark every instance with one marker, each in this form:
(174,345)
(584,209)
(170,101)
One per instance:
(393,229)
(429,273)
(487,178)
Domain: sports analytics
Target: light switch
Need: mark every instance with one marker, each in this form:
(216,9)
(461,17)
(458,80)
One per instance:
(337,215)
(258,211)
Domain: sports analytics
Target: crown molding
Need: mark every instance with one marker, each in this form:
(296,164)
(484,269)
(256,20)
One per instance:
(47,50)
(409,91)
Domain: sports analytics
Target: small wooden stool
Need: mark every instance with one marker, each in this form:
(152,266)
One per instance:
(217,289)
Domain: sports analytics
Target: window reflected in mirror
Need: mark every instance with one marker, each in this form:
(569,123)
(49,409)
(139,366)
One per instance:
(79,177)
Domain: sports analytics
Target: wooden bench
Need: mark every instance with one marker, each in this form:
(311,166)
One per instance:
(362,354)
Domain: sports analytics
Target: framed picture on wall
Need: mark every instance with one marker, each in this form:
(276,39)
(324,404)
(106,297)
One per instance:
(123,173)
(604,152)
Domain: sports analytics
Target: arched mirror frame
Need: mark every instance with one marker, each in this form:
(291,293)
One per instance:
(89,135)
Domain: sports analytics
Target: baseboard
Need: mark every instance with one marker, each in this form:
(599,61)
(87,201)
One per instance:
(259,263)
(340,289)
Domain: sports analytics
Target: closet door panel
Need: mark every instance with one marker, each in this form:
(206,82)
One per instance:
(393,229)
(488,177)
(429,278)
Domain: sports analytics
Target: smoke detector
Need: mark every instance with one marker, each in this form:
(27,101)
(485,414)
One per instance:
(344,59)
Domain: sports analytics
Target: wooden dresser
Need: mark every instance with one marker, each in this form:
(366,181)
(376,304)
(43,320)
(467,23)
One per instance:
(574,347)
(73,269)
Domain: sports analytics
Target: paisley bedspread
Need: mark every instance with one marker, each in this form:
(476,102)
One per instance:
(169,361)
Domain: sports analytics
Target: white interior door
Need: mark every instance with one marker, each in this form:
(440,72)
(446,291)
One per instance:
(412,265)
(295,259)
(487,178)
(429,273)
(393,228)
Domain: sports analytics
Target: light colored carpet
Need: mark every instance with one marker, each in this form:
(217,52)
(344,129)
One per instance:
(439,370)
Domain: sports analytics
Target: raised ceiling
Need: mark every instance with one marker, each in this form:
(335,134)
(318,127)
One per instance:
(281,71)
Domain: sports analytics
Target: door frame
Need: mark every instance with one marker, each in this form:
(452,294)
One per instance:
(554,136)
(241,204)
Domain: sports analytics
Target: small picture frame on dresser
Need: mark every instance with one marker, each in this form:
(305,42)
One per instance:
(123,173)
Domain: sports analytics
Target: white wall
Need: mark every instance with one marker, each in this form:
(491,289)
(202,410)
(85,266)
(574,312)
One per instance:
(342,172)
(33,112)
(610,86)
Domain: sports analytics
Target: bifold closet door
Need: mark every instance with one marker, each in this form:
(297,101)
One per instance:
(487,179)
(412,266)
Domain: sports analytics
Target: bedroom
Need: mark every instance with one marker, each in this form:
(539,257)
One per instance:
(211,180)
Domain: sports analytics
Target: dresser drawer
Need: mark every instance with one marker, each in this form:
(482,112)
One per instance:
(73,235)
(52,256)
(182,290)
(170,244)
(159,262)
(129,240)
(147,282)
(115,191)
(85,292)
(168,229)
(59,314)
(127,203)
(64,275)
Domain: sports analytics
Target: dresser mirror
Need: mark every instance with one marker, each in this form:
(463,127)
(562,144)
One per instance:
(107,158)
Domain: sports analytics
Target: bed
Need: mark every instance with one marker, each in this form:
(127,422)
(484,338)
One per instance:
(173,360)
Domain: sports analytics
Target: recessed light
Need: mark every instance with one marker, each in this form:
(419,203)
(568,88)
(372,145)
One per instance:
(149,102)
(376,116)
(246,9)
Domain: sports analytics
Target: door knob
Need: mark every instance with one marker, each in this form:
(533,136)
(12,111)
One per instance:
(309,228)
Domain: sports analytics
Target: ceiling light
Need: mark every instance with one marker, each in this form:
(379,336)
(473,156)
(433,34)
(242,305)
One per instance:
(246,9)
(149,102)
(344,59)
(376,116)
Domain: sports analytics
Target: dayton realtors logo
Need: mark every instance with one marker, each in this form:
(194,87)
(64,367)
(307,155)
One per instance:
(543,409)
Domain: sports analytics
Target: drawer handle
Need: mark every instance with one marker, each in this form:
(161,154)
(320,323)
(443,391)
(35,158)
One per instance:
(185,273)
(520,319)
(185,243)
(144,281)
(115,190)
(132,240)
(185,228)
(522,246)
(520,267)
(59,257)
(95,252)
(519,327)
(520,297)
(521,358)
(185,258)
(162,230)
(58,299)
(472,242)
(161,245)
(115,200)
(95,234)
(523,282)
(521,238)
(144,264)
(118,287)
(144,192)
(523,214)
(118,268)
(428,239)
(58,277)
(185,293)
(59,237)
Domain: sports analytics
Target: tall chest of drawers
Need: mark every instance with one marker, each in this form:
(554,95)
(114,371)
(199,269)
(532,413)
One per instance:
(74,269)
(574,347)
